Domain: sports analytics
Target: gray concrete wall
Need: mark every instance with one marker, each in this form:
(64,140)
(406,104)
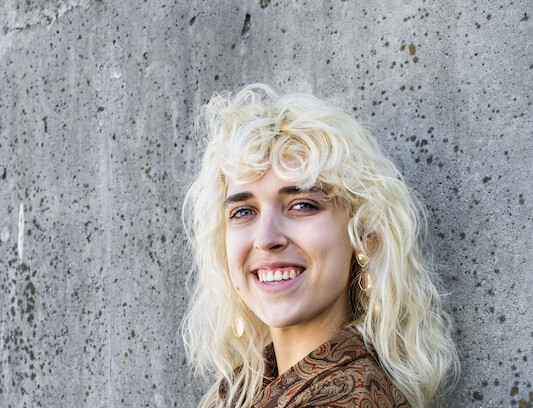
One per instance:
(96,102)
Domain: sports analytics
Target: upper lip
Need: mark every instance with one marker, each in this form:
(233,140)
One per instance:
(276,265)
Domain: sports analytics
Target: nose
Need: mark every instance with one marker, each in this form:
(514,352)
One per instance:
(270,235)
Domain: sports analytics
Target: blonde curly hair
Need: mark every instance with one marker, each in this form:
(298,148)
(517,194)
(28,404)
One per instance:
(307,141)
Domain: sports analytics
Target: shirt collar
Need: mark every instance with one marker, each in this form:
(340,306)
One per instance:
(342,349)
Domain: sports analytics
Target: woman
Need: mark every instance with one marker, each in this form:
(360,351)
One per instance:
(311,287)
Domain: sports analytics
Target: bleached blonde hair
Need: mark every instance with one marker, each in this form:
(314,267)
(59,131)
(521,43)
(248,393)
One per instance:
(307,141)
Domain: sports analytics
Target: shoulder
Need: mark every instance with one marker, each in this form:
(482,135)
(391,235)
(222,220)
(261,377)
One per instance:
(359,383)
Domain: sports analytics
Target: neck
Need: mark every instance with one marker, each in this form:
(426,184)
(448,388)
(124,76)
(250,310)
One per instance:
(293,343)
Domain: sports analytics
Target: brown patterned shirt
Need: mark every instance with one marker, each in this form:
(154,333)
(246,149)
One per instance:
(339,373)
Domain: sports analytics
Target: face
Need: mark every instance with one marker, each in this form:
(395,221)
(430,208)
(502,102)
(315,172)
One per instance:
(289,253)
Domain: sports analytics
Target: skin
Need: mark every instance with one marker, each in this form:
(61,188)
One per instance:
(271,225)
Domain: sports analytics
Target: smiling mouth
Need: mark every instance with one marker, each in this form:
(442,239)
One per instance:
(273,276)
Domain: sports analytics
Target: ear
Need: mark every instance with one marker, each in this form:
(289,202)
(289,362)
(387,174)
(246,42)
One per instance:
(370,243)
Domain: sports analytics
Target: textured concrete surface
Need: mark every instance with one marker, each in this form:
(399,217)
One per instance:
(96,102)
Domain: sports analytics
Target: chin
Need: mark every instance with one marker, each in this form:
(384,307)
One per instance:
(282,323)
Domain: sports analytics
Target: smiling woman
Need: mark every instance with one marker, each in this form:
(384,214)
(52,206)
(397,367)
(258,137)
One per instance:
(310,287)
(280,231)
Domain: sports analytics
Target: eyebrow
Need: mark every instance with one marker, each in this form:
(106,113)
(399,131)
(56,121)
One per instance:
(287,190)
(238,197)
(291,190)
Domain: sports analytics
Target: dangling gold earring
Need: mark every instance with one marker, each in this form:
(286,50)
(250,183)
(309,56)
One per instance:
(238,327)
(364,282)
(362,259)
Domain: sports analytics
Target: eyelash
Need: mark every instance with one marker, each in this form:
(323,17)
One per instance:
(238,210)
(309,207)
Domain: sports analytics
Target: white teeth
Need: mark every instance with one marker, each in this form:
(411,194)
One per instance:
(277,275)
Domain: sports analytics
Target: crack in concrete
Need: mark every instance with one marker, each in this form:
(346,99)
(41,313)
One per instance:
(31,19)
(34,18)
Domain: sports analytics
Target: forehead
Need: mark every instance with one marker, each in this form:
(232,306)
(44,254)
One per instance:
(269,179)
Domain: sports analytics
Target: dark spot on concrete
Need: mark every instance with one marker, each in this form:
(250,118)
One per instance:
(45,120)
(412,49)
(429,160)
(216,77)
(525,18)
(264,3)
(488,16)
(514,390)
(477,396)
(496,382)
(163,239)
(4,174)
(502,318)
(31,288)
(192,20)
(486,179)
(100,109)
(246,27)
(521,199)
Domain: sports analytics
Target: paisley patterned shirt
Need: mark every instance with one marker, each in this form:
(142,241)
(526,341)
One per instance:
(339,373)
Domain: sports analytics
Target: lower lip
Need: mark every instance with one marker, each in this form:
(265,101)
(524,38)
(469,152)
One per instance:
(276,287)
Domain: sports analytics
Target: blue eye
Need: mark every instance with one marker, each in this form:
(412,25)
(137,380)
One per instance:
(303,206)
(241,212)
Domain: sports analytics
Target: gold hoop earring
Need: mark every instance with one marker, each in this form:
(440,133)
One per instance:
(238,327)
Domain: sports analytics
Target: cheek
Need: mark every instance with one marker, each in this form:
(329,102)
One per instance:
(235,254)
(336,252)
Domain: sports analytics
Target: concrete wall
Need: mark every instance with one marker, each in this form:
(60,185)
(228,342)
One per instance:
(96,102)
